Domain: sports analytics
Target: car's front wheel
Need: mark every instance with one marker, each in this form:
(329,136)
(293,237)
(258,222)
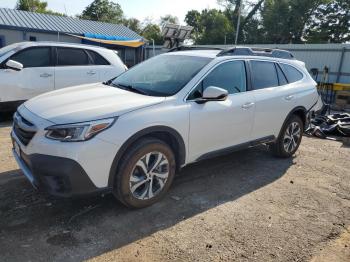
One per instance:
(146,173)
(289,139)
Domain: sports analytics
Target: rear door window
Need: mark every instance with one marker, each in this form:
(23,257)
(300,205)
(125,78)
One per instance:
(33,57)
(264,74)
(281,77)
(97,59)
(72,57)
(293,75)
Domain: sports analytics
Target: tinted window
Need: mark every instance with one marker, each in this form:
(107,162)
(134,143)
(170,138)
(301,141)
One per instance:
(230,76)
(33,57)
(264,74)
(163,75)
(292,74)
(281,77)
(71,57)
(97,59)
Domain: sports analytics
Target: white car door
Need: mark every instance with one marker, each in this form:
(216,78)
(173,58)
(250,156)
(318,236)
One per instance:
(104,68)
(220,125)
(273,97)
(73,68)
(36,77)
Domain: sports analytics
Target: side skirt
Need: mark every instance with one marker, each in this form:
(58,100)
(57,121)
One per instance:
(227,150)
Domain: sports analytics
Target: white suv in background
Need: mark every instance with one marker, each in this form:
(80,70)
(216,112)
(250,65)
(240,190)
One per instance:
(131,134)
(29,69)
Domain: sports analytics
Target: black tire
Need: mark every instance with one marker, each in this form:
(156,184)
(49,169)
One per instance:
(278,148)
(123,184)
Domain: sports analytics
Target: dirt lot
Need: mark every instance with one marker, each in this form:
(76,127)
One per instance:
(247,206)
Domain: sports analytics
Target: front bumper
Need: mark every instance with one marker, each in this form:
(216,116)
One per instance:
(57,176)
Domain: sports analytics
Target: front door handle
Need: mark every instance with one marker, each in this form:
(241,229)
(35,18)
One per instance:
(289,97)
(248,105)
(45,75)
(91,73)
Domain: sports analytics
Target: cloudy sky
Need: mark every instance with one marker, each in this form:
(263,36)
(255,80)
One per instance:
(132,8)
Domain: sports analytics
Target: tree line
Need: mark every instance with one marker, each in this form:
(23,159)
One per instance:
(261,21)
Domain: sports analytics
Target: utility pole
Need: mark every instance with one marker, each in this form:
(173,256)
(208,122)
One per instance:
(238,21)
(154,48)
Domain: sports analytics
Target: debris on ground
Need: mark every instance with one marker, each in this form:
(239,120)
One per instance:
(333,127)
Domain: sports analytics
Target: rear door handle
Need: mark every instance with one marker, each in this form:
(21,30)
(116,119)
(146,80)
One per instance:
(248,105)
(45,75)
(288,98)
(91,73)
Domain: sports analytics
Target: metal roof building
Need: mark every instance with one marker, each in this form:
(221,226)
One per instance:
(17,26)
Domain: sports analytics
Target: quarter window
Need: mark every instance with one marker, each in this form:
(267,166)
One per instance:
(264,74)
(71,57)
(293,75)
(33,57)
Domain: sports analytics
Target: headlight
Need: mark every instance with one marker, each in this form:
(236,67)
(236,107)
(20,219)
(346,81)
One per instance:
(78,132)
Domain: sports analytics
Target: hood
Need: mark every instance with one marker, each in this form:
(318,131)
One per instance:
(87,102)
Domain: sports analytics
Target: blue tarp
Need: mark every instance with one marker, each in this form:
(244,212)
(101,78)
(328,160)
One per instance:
(106,37)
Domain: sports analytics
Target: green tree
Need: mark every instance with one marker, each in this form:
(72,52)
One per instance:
(31,6)
(216,27)
(134,24)
(210,27)
(249,9)
(193,18)
(103,11)
(152,31)
(36,6)
(330,23)
(285,21)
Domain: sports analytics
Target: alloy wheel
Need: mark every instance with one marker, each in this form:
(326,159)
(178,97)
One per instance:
(149,175)
(292,137)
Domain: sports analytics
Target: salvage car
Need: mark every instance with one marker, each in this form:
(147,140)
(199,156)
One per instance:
(29,69)
(130,135)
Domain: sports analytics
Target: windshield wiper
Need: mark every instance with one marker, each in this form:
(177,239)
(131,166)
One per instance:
(108,83)
(131,88)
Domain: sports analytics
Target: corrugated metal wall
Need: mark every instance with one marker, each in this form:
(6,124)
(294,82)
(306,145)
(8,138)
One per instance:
(335,56)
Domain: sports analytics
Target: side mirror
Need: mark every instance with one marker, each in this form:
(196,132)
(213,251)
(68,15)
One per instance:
(213,93)
(14,65)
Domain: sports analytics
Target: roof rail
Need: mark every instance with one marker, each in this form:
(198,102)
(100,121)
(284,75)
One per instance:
(193,47)
(256,51)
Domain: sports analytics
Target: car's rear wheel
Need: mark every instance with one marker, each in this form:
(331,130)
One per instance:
(145,174)
(289,139)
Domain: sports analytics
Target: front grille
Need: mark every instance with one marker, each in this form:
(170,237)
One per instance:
(23,129)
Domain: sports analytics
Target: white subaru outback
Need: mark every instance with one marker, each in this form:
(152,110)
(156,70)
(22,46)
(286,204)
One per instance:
(130,135)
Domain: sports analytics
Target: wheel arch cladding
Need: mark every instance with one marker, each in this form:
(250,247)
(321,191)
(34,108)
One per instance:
(299,111)
(167,134)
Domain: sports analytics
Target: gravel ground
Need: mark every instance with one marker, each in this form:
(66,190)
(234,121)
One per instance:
(246,206)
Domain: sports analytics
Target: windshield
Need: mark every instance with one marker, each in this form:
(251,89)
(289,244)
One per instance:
(162,75)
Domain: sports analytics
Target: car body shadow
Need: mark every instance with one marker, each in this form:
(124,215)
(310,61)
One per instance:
(63,226)
(6,119)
